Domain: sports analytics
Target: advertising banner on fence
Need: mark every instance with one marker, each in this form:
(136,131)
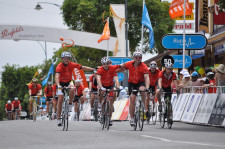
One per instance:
(218,112)
(179,106)
(205,108)
(124,115)
(191,107)
(174,100)
(119,111)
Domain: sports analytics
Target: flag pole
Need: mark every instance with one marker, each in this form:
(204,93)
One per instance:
(184,35)
(108,41)
(142,29)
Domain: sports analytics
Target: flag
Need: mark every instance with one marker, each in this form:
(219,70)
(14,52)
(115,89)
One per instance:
(177,8)
(146,22)
(105,33)
(36,74)
(51,71)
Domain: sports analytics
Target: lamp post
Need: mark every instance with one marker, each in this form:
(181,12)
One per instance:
(44,48)
(38,6)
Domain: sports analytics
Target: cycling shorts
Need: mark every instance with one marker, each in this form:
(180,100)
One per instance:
(132,86)
(77,98)
(168,91)
(94,90)
(63,84)
(111,88)
(17,108)
(48,98)
(152,89)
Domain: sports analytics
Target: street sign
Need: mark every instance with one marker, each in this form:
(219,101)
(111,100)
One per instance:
(167,59)
(192,41)
(120,76)
(178,61)
(119,60)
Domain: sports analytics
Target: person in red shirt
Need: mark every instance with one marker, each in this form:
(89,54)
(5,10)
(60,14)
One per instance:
(55,99)
(153,77)
(8,109)
(63,78)
(166,77)
(93,90)
(79,95)
(105,75)
(212,82)
(138,80)
(34,90)
(48,94)
(16,105)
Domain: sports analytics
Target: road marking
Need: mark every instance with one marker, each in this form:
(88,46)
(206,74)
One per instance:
(183,142)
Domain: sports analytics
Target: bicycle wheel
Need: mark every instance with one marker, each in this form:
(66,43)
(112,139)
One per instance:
(78,111)
(50,112)
(108,117)
(67,120)
(142,116)
(169,115)
(102,116)
(34,111)
(135,120)
(162,116)
(63,120)
(96,111)
(154,114)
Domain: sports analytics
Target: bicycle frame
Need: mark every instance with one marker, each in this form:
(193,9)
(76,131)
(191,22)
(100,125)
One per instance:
(65,109)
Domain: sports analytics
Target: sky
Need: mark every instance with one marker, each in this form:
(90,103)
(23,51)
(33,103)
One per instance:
(22,12)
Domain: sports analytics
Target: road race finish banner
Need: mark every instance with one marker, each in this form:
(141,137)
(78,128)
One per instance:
(192,41)
(218,112)
(179,106)
(205,108)
(35,33)
(204,16)
(191,107)
(79,74)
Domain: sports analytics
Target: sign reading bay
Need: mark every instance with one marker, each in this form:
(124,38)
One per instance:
(192,41)
(178,61)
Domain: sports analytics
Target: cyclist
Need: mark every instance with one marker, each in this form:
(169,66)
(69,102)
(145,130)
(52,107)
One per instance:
(63,78)
(166,77)
(34,90)
(105,75)
(55,99)
(138,80)
(48,93)
(8,108)
(79,92)
(16,105)
(93,89)
(153,77)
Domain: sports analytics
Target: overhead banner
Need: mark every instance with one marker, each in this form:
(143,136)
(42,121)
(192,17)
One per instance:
(191,107)
(219,18)
(203,16)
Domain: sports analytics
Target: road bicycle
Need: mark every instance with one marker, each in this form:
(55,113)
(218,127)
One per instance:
(9,115)
(105,113)
(95,112)
(152,109)
(34,112)
(139,114)
(167,110)
(16,114)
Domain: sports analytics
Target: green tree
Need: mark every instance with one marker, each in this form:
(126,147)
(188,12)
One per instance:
(85,15)
(221,4)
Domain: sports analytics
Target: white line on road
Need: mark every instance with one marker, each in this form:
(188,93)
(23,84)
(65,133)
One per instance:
(183,142)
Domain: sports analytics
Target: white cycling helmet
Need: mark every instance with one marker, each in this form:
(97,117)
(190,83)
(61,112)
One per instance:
(153,64)
(77,80)
(65,54)
(16,98)
(137,53)
(168,65)
(9,102)
(105,60)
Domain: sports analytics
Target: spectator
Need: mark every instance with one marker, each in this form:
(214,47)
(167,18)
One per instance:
(123,93)
(210,77)
(220,75)
(196,82)
(186,81)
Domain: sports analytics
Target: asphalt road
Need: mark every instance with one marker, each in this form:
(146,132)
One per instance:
(26,134)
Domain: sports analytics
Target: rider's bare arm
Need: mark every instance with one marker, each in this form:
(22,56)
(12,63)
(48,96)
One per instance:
(147,80)
(57,75)
(99,81)
(176,84)
(85,68)
(160,83)
(116,79)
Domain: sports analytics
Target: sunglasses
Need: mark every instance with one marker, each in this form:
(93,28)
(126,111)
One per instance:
(138,57)
(105,63)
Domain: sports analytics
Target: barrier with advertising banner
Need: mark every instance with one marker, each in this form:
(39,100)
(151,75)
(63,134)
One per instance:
(205,108)
(120,110)
(191,107)
(218,112)
(180,105)
(174,100)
